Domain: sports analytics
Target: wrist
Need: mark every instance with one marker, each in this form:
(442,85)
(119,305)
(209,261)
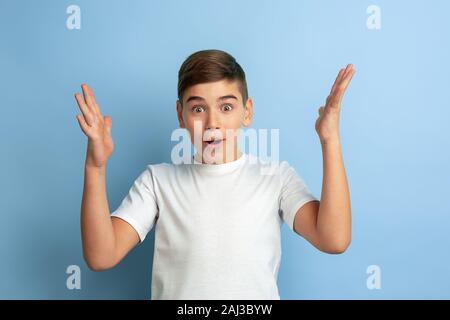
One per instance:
(90,167)
(330,141)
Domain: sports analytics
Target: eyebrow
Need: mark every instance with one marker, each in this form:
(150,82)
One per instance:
(198,98)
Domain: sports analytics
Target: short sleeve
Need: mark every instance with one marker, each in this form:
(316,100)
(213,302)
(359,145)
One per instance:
(294,193)
(139,208)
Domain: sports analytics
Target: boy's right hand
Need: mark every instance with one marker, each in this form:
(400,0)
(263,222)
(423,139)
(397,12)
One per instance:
(96,127)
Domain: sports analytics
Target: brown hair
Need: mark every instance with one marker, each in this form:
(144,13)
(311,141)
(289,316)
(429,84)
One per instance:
(209,66)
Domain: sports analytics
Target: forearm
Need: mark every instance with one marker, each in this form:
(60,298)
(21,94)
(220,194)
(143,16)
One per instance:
(96,227)
(334,216)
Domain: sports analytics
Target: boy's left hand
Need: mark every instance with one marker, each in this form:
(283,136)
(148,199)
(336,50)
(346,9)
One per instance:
(327,125)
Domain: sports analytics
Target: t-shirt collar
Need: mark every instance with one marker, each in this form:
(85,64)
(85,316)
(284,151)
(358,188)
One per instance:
(222,167)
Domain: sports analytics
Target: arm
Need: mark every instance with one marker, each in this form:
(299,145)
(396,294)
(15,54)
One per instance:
(105,240)
(327,225)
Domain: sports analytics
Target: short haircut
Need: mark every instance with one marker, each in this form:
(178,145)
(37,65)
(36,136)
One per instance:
(210,66)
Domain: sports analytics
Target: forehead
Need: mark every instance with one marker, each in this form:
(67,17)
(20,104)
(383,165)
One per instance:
(210,91)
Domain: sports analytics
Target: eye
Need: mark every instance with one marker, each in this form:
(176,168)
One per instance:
(230,107)
(196,108)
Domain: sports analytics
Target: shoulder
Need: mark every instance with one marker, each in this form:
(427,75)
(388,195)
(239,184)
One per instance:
(160,166)
(165,169)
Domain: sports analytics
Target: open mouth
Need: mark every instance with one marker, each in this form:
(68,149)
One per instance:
(215,142)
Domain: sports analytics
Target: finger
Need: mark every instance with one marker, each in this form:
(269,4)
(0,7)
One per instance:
(329,98)
(88,98)
(342,74)
(87,113)
(346,71)
(345,84)
(348,68)
(340,90)
(321,110)
(337,80)
(97,108)
(82,122)
(108,123)
(333,99)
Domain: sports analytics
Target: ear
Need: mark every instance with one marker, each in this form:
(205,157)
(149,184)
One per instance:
(180,114)
(248,113)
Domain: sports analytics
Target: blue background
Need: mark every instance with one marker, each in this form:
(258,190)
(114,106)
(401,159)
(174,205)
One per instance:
(394,130)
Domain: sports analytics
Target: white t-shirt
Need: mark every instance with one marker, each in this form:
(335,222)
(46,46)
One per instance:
(217,226)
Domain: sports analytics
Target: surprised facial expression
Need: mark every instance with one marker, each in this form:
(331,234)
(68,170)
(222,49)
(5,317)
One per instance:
(213,114)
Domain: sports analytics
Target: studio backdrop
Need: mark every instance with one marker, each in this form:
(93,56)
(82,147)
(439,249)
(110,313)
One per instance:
(394,131)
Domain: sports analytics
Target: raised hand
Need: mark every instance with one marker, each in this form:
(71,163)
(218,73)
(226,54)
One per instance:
(96,127)
(327,125)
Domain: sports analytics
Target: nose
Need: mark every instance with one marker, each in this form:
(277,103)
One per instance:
(213,121)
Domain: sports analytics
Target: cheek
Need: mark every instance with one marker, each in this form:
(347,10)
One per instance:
(195,127)
(233,121)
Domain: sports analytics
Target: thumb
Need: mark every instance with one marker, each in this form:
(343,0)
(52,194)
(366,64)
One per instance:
(108,123)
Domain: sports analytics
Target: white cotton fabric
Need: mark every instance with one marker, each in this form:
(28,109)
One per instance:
(217,226)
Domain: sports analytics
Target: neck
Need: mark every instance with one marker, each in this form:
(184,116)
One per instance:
(233,156)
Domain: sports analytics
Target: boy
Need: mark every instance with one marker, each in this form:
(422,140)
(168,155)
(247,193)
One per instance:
(217,221)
